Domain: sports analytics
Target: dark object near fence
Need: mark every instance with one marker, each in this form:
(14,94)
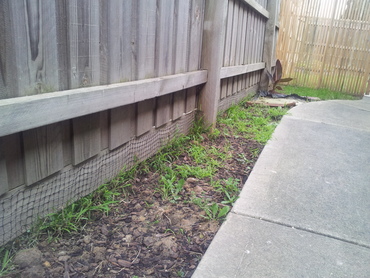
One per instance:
(277,95)
(276,77)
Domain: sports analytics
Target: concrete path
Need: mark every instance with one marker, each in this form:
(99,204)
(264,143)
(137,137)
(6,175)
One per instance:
(305,209)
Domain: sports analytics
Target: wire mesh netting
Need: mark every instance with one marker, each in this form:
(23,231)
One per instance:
(21,207)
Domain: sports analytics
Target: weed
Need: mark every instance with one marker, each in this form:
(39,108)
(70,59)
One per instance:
(243,159)
(230,190)
(212,210)
(169,187)
(185,171)
(181,273)
(6,261)
(214,133)
(74,216)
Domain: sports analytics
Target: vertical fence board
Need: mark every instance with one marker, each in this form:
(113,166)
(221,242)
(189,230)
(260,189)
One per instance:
(67,142)
(163,114)
(228,33)
(4,187)
(239,45)
(212,50)
(30,64)
(178,104)
(116,41)
(145,118)
(196,24)
(165,30)
(104,128)
(234,31)
(122,125)
(146,29)
(182,53)
(191,98)
(182,36)
(43,151)
(164,55)
(84,60)
(14,160)
(86,137)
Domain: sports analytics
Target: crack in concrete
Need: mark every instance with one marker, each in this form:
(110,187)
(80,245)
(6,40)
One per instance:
(304,229)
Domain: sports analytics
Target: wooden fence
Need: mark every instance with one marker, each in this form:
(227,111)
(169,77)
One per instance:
(88,87)
(326,44)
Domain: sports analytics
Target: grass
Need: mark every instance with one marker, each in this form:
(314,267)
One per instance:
(255,122)
(6,256)
(323,94)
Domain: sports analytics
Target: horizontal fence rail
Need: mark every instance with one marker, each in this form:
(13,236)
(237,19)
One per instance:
(19,114)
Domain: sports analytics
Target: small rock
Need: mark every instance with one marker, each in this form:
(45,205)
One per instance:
(63,258)
(62,253)
(191,180)
(46,264)
(104,230)
(87,239)
(197,189)
(124,263)
(28,258)
(137,206)
(128,238)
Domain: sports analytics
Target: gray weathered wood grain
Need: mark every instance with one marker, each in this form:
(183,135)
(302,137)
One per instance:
(196,29)
(24,113)
(67,141)
(237,70)
(191,98)
(163,112)
(83,43)
(122,125)
(145,116)
(165,37)
(43,152)
(29,59)
(178,104)
(257,7)
(269,43)
(212,50)
(4,187)
(182,17)
(104,129)
(146,34)
(12,151)
(115,41)
(86,137)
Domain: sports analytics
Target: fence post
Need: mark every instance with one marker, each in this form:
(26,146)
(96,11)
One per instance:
(269,46)
(212,56)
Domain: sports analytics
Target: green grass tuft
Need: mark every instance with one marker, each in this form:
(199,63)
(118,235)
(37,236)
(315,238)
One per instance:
(323,94)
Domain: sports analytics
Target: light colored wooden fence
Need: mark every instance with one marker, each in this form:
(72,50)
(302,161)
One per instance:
(88,87)
(326,44)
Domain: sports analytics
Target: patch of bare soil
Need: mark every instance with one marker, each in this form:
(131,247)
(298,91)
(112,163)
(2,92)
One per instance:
(143,235)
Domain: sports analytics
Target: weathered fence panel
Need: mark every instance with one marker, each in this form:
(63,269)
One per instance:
(236,50)
(326,46)
(88,87)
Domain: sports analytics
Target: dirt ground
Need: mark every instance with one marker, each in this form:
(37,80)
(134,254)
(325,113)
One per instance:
(143,235)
